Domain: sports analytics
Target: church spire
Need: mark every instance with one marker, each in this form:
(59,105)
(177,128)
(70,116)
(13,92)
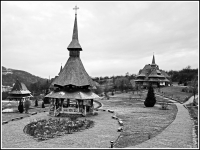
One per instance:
(74,45)
(153,60)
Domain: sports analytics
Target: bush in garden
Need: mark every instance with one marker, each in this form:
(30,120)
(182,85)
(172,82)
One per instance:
(164,106)
(43,105)
(150,99)
(36,103)
(27,105)
(45,129)
(73,117)
(21,107)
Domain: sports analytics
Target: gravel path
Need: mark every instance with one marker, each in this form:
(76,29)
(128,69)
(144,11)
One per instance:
(177,135)
(99,136)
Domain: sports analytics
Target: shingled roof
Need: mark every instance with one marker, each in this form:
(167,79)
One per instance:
(19,88)
(73,73)
(73,95)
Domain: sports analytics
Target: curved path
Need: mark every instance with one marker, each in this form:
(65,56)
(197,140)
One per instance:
(177,135)
(99,136)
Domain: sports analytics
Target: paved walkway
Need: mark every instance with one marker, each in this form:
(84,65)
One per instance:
(177,135)
(98,136)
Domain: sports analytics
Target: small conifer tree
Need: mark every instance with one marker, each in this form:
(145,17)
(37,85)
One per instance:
(36,103)
(43,105)
(150,99)
(27,105)
(21,107)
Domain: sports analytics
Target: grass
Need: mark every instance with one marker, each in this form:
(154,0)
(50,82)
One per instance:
(140,123)
(175,92)
(193,111)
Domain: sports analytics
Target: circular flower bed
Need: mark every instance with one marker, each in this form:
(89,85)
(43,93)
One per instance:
(44,129)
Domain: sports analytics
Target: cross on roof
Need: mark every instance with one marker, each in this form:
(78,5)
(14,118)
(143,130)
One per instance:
(75,9)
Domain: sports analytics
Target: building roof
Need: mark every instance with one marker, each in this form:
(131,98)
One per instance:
(165,74)
(152,71)
(73,95)
(60,70)
(19,88)
(73,73)
(75,45)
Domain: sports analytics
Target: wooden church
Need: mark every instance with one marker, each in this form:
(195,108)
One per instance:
(19,92)
(72,88)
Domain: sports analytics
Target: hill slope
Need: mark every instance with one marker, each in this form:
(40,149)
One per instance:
(22,76)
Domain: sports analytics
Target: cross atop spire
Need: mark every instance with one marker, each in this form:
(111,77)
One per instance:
(76,8)
(74,45)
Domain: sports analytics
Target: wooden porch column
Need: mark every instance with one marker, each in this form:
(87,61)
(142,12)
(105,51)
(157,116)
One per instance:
(62,100)
(85,110)
(67,102)
(92,105)
(78,105)
(54,102)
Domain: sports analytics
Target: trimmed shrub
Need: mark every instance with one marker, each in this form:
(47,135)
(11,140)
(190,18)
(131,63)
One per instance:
(43,105)
(27,105)
(164,106)
(21,107)
(73,117)
(36,103)
(150,99)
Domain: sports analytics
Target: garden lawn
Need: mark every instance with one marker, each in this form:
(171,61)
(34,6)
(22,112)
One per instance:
(175,92)
(193,111)
(140,122)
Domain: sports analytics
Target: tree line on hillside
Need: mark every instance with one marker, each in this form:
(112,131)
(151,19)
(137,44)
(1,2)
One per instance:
(103,80)
(114,83)
(186,76)
(183,76)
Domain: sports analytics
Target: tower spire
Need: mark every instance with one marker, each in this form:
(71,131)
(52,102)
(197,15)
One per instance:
(153,60)
(74,45)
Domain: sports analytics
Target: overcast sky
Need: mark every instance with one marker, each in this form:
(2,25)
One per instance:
(116,37)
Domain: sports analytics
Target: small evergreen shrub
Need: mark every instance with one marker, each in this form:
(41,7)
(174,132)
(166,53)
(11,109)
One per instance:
(150,99)
(27,105)
(43,105)
(73,117)
(36,103)
(164,106)
(21,107)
